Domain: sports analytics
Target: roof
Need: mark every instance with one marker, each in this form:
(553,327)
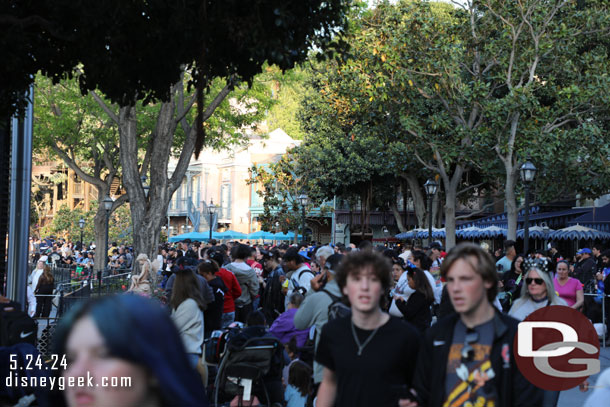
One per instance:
(596,218)
(554,219)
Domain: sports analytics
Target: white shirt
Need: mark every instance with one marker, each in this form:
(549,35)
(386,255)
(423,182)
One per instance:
(31,301)
(35,277)
(405,255)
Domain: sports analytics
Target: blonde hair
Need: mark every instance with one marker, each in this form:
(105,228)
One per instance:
(147,268)
(551,295)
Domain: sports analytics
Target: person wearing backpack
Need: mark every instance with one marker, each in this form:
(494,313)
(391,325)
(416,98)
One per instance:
(298,273)
(248,281)
(315,309)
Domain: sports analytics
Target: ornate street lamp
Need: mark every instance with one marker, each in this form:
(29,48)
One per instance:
(212,210)
(303,200)
(430,186)
(528,173)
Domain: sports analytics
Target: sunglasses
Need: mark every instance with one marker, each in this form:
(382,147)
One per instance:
(472,336)
(538,281)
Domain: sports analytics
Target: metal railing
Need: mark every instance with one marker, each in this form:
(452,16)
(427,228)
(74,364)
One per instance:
(604,297)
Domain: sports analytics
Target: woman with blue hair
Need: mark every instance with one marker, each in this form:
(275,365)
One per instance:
(126,336)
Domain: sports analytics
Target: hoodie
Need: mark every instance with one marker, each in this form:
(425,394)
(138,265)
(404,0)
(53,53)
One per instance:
(248,281)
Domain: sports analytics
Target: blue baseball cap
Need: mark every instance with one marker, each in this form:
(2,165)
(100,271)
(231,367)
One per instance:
(584,251)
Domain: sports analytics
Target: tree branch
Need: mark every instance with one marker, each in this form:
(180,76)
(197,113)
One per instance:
(72,164)
(105,107)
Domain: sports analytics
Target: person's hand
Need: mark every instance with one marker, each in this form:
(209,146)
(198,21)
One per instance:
(316,282)
(399,298)
(584,386)
(599,276)
(407,403)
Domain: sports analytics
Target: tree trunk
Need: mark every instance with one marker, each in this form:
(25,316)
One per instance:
(450,197)
(419,203)
(397,217)
(450,186)
(511,201)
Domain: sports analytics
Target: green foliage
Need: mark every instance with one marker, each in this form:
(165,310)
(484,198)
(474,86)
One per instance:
(137,50)
(65,224)
(425,85)
(289,89)
(279,185)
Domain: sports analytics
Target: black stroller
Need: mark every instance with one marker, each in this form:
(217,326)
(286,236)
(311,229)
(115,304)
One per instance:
(243,368)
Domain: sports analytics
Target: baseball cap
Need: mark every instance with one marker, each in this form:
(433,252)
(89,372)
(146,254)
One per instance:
(584,251)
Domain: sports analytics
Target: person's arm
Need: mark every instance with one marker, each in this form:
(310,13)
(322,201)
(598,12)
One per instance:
(236,289)
(580,298)
(253,284)
(328,389)
(304,318)
(412,307)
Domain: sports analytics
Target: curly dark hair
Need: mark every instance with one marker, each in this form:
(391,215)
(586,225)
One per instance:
(355,262)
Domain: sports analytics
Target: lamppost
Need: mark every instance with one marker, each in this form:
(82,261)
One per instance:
(385,234)
(81,225)
(212,210)
(528,172)
(145,186)
(303,199)
(430,187)
(545,230)
(107,201)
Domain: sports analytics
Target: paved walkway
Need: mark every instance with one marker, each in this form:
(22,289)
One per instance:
(574,397)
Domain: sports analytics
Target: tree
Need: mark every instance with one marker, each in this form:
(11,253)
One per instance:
(486,77)
(279,184)
(138,51)
(75,129)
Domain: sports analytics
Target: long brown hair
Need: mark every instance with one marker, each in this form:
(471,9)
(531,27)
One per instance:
(421,283)
(47,276)
(299,376)
(186,286)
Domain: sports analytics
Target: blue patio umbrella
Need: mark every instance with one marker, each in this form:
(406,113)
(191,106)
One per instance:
(231,235)
(535,232)
(436,233)
(284,236)
(411,234)
(468,233)
(193,236)
(492,232)
(261,234)
(578,232)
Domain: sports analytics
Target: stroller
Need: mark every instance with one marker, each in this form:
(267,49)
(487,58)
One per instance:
(243,367)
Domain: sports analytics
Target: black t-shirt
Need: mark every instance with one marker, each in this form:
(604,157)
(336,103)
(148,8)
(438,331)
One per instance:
(377,376)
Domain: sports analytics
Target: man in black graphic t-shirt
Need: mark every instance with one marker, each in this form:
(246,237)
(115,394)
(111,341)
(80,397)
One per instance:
(466,358)
(368,358)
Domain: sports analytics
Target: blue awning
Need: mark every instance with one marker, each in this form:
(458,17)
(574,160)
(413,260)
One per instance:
(554,219)
(596,218)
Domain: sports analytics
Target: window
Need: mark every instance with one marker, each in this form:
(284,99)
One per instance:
(225,201)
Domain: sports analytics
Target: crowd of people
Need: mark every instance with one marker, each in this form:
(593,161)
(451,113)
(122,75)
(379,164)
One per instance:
(359,326)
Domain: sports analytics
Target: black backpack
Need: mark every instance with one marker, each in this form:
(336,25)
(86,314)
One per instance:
(337,308)
(16,326)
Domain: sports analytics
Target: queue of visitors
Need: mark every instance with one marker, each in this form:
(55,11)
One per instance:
(365,326)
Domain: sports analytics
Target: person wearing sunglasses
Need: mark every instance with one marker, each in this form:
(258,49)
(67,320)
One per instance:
(537,292)
(467,357)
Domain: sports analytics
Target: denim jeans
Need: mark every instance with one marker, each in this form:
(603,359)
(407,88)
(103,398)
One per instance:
(227,319)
